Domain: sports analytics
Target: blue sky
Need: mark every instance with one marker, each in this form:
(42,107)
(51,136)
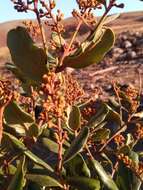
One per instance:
(7,12)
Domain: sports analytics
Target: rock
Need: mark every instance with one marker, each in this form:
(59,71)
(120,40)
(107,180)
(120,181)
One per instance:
(124,37)
(117,51)
(131,54)
(127,44)
(140,42)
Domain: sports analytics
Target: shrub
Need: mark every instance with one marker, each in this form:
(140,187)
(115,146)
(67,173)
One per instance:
(51,137)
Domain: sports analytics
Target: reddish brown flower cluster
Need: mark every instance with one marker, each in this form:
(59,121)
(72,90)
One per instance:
(89,110)
(137,168)
(84,4)
(73,91)
(138,131)
(119,140)
(46,12)
(6,92)
(132,94)
(52,90)
(126,160)
(32,28)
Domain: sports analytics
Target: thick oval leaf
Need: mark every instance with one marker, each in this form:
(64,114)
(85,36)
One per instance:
(33,130)
(43,180)
(77,144)
(18,130)
(30,60)
(77,167)
(11,67)
(74,120)
(114,119)
(57,38)
(92,55)
(84,183)
(111,18)
(101,135)
(34,186)
(51,145)
(126,179)
(104,177)
(17,118)
(20,146)
(99,117)
(18,180)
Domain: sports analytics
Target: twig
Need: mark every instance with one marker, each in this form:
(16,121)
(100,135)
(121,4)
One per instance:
(140,82)
(1,122)
(71,42)
(116,134)
(60,144)
(114,169)
(42,31)
(103,71)
(119,100)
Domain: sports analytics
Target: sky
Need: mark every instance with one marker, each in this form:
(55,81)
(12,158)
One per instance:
(7,12)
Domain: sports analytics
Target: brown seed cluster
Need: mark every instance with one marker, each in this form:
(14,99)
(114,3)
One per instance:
(119,140)
(89,110)
(46,12)
(58,92)
(137,168)
(126,160)
(138,131)
(52,89)
(73,91)
(87,3)
(132,94)
(6,92)
(32,28)
(87,17)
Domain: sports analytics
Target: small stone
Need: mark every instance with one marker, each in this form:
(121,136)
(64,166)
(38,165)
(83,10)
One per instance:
(131,55)
(117,51)
(127,44)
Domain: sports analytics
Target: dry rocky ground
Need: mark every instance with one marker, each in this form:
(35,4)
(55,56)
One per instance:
(124,63)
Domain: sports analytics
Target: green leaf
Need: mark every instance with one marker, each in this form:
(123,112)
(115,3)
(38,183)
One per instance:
(104,177)
(84,183)
(26,83)
(33,130)
(20,146)
(101,134)
(126,179)
(77,144)
(30,59)
(57,38)
(111,18)
(51,145)
(34,186)
(77,167)
(99,117)
(11,67)
(93,54)
(113,119)
(18,180)
(18,120)
(74,120)
(43,180)
(15,115)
